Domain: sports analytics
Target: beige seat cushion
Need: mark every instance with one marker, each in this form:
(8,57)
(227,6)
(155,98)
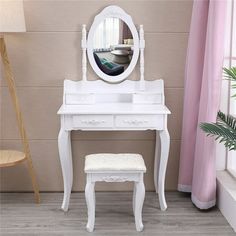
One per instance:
(114,162)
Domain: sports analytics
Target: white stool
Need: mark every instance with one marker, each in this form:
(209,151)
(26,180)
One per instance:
(115,168)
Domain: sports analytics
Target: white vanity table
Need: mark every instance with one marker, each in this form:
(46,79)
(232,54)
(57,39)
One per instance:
(101,106)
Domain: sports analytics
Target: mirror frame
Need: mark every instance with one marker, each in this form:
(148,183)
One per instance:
(113,11)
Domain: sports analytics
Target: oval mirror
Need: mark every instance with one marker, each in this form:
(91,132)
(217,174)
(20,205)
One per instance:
(113,45)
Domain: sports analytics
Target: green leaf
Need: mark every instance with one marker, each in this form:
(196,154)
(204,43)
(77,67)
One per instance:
(224,130)
(230,73)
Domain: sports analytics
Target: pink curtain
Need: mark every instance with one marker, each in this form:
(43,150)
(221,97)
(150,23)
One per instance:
(203,77)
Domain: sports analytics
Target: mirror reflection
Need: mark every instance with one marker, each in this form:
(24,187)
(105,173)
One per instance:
(113,46)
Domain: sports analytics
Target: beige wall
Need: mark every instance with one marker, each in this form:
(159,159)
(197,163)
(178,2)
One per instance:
(50,51)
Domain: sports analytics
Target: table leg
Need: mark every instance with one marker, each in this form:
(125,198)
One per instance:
(156,162)
(64,146)
(165,146)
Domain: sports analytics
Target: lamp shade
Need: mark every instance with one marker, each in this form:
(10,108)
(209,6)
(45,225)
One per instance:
(12,17)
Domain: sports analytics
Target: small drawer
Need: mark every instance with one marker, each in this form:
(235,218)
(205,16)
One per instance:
(79,99)
(145,121)
(147,98)
(91,121)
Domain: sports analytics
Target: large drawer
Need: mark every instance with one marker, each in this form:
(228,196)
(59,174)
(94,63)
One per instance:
(91,121)
(145,121)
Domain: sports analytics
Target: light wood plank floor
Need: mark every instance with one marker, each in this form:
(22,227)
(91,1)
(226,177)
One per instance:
(20,216)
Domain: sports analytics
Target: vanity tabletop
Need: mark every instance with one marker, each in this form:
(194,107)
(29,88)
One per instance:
(114,108)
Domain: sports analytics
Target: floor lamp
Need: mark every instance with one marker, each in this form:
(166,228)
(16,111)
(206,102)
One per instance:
(11,21)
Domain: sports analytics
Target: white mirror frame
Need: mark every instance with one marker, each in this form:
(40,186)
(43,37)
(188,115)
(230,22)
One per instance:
(113,11)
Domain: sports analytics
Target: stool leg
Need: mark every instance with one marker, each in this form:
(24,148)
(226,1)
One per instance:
(134,197)
(90,201)
(139,199)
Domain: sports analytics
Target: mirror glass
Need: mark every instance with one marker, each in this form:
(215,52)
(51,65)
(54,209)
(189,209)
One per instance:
(112,46)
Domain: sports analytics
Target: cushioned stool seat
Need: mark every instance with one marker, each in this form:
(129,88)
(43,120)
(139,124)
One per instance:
(110,167)
(114,162)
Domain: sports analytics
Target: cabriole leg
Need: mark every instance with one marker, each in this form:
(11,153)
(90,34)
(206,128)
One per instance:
(134,197)
(156,162)
(90,201)
(165,145)
(64,146)
(139,199)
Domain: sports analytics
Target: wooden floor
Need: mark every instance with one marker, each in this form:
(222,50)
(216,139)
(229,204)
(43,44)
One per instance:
(20,216)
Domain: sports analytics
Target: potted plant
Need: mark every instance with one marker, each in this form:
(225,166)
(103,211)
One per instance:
(224,130)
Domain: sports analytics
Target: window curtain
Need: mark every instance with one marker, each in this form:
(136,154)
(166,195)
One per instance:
(203,76)
(107,34)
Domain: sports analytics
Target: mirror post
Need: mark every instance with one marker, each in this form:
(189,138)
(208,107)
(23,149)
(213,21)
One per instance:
(141,46)
(84,57)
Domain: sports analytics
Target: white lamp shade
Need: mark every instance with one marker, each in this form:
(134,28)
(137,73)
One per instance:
(12,17)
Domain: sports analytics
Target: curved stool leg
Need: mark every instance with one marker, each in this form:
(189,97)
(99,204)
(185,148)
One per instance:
(134,197)
(90,201)
(139,199)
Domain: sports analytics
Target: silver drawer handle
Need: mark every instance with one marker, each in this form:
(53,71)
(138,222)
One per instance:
(93,122)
